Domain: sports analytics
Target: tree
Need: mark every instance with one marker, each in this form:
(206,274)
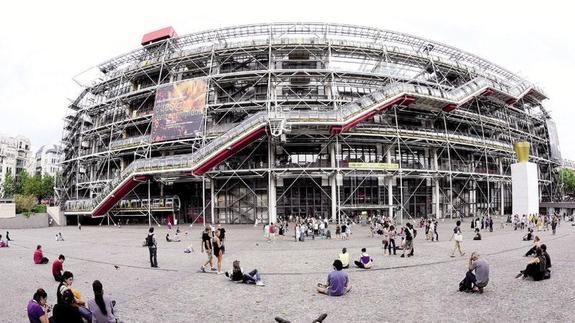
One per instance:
(567,178)
(47,190)
(8,187)
(19,182)
(25,203)
(32,185)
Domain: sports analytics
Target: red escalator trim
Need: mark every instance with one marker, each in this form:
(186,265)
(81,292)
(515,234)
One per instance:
(487,92)
(234,148)
(404,100)
(511,101)
(450,107)
(117,194)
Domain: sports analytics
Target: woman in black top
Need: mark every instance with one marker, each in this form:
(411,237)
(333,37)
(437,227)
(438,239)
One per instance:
(219,250)
(66,311)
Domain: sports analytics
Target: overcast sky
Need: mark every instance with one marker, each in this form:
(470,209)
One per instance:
(44,45)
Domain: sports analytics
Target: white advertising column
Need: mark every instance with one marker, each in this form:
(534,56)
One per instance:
(525,188)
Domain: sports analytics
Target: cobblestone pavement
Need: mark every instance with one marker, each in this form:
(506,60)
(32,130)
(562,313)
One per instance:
(420,288)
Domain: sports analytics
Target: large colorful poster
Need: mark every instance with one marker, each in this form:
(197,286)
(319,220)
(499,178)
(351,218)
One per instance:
(179,110)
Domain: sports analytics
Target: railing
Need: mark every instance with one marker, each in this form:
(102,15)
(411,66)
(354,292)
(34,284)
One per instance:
(340,116)
(129,142)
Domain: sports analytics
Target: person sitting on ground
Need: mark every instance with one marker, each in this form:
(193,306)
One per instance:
(66,284)
(39,258)
(547,274)
(102,307)
(337,281)
(529,235)
(477,235)
(475,282)
(65,311)
(172,239)
(365,261)
(59,237)
(190,248)
(536,243)
(37,307)
(4,243)
(344,258)
(535,268)
(58,268)
(238,275)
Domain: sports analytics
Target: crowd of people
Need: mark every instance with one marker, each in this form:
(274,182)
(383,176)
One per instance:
(539,222)
(71,307)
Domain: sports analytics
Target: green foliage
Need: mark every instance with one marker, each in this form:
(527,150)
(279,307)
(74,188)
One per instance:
(25,203)
(39,186)
(567,178)
(20,182)
(8,187)
(47,187)
(40,208)
(32,185)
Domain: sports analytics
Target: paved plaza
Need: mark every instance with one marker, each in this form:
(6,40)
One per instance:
(420,288)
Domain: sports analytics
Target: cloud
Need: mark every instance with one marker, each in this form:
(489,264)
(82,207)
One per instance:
(44,47)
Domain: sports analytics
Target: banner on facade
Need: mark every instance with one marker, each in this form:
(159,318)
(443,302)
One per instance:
(374,165)
(179,110)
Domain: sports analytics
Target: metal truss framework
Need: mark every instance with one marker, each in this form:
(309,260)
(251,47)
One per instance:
(451,161)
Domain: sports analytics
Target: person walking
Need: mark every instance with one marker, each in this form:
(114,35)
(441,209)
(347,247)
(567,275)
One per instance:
(152,248)
(207,248)
(457,237)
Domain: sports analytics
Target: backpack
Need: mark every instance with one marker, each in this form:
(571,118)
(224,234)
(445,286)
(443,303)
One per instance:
(464,285)
(150,240)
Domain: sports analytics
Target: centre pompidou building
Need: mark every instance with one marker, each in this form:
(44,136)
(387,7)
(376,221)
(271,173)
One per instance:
(299,119)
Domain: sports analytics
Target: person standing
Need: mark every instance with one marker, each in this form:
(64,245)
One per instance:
(207,248)
(271,232)
(219,250)
(152,248)
(409,236)
(391,238)
(554,222)
(58,268)
(457,237)
(297,232)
